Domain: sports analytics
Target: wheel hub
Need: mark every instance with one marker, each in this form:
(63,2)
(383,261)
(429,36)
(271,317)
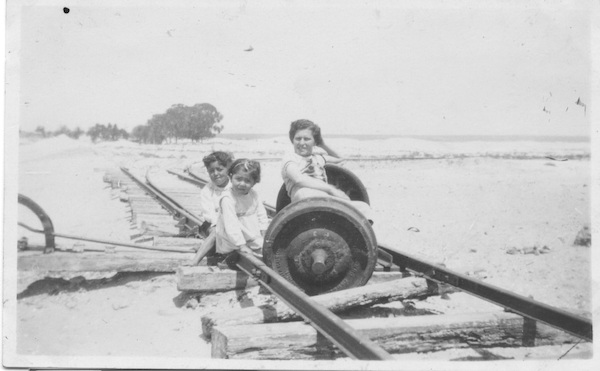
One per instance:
(318,255)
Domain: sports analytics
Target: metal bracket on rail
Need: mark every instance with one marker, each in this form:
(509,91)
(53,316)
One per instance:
(385,260)
(44,218)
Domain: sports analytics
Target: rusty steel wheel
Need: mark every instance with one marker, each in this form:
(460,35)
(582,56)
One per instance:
(321,245)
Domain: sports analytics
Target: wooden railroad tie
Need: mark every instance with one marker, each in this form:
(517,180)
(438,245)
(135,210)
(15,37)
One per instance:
(407,334)
(338,301)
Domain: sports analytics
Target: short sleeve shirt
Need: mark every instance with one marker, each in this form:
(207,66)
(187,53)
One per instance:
(313,166)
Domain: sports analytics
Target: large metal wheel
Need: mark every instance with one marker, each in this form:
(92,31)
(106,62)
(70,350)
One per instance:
(321,245)
(337,176)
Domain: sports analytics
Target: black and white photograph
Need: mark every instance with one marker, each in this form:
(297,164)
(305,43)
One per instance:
(300,184)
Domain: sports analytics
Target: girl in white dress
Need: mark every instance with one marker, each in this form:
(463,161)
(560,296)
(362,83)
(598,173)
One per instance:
(242,219)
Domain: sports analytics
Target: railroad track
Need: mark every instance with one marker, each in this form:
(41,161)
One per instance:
(176,199)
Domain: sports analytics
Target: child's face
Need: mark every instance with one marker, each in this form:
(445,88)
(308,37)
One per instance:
(218,174)
(242,182)
(304,141)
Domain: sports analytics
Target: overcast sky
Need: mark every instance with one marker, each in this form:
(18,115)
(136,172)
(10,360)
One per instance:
(401,68)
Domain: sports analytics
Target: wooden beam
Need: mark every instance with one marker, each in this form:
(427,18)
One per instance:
(151,218)
(211,279)
(380,277)
(407,288)
(34,265)
(155,229)
(377,277)
(177,242)
(409,334)
(102,262)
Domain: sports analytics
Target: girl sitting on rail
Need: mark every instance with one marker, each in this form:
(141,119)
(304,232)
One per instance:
(303,170)
(242,219)
(217,164)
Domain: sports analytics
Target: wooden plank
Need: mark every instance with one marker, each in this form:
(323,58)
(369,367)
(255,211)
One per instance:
(133,190)
(155,225)
(152,206)
(144,220)
(407,288)
(102,262)
(166,217)
(141,199)
(168,225)
(138,212)
(159,231)
(177,242)
(297,340)
(212,279)
(380,277)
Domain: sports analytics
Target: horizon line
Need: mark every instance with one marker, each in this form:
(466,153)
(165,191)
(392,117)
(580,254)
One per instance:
(422,135)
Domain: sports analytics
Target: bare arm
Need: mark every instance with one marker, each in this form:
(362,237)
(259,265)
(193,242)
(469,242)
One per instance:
(329,150)
(305,181)
(332,156)
(333,160)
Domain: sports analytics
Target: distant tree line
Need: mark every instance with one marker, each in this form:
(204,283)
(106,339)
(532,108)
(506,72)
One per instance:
(75,134)
(108,132)
(179,121)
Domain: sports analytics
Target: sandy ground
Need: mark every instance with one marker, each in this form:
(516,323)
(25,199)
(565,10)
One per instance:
(478,215)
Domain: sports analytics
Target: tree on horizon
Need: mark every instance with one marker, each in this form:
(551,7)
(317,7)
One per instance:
(180,121)
(107,132)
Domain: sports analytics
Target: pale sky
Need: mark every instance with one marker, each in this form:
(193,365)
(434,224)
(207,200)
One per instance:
(381,67)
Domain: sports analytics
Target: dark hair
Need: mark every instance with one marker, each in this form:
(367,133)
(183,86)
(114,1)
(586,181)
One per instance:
(249,166)
(306,124)
(223,158)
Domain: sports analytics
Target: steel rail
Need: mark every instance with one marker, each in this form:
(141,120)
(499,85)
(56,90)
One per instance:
(107,242)
(529,308)
(197,177)
(187,178)
(165,200)
(322,319)
(170,201)
(555,317)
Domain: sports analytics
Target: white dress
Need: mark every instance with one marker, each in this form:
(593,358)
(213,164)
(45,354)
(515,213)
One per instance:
(240,222)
